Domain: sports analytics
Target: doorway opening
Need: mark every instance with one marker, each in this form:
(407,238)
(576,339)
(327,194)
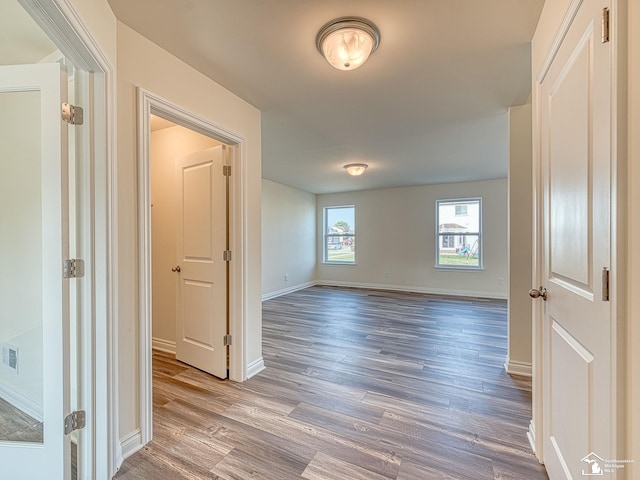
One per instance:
(189,235)
(158,245)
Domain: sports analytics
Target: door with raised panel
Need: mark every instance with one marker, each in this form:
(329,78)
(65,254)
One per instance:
(34,319)
(578,375)
(201,204)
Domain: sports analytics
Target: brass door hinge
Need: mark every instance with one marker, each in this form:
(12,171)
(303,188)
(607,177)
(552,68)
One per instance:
(606,25)
(605,284)
(72,114)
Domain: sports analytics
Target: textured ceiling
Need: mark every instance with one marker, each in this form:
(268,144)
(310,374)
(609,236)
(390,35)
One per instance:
(429,106)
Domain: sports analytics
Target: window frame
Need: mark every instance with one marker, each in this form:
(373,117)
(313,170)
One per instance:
(478,234)
(326,236)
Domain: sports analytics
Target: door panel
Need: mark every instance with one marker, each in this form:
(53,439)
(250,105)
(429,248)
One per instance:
(201,240)
(570,165)
(34,324)
(575,98)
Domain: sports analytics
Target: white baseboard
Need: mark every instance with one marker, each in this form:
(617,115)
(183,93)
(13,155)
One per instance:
(255,367)
(413,289)
(131,443)
(164,345)
(531,435)
(284,291)
(22,402)
(117,457)
(518,368)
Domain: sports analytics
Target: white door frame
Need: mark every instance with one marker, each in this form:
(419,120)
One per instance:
(149,103)
(100,445)
(617,227)
(633,264)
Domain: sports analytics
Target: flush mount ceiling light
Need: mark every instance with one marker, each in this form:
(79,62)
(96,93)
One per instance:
(356,169)
(347,42)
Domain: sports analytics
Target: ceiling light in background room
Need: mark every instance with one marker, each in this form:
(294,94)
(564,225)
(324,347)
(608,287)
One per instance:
(355,169)
(347,42)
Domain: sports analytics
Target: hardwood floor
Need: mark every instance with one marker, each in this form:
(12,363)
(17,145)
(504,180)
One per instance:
(17,426)
(359,385)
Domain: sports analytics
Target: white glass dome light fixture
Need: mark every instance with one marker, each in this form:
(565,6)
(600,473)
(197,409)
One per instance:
(347,42)
(355,169)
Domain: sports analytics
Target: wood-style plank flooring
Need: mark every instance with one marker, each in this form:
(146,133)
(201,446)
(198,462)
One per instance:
(359,385)
(17,426)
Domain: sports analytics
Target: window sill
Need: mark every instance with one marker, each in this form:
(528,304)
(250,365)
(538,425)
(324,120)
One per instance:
(348,264)
(459,268)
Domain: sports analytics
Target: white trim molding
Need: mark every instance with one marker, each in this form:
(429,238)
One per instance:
(100,447)
(168,346)
(22,402)
(149,103)
(531,435)
(522,369)
(131,444)
(255,367)
(413,289)
(284,291)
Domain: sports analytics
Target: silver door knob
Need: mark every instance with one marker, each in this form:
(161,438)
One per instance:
(535,293)
(176,269)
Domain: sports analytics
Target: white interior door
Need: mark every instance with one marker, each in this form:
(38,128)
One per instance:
(34,328)
(201,241)
(578,374)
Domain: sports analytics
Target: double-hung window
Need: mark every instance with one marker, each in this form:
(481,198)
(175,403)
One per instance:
(339,234)
(459,233)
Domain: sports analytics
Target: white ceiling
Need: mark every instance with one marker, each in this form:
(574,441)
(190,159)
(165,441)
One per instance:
(428,107)
(21,39)
(159,123)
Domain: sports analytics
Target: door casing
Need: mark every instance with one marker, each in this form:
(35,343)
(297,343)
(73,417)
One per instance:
(149,103)
(100,447)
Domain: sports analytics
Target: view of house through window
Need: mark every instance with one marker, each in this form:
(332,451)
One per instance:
(339,234)
(459,233)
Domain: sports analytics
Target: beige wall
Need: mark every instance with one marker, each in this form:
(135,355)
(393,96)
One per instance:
(396,240)
(142,63)
(520,239)
(166,145)
(288,239)
(100,21)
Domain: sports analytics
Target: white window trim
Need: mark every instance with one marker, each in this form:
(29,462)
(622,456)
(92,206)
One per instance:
(480,266)
(325,250)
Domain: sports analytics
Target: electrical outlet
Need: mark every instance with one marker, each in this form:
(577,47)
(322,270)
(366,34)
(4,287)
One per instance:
(500,280)
(386,274)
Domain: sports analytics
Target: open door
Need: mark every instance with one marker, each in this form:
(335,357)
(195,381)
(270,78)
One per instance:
(202,301)
(34,323)
(578,344)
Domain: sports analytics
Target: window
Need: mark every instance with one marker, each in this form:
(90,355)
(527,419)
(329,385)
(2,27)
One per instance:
(339,234)
(448,241)
(461,210)
(459,240)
